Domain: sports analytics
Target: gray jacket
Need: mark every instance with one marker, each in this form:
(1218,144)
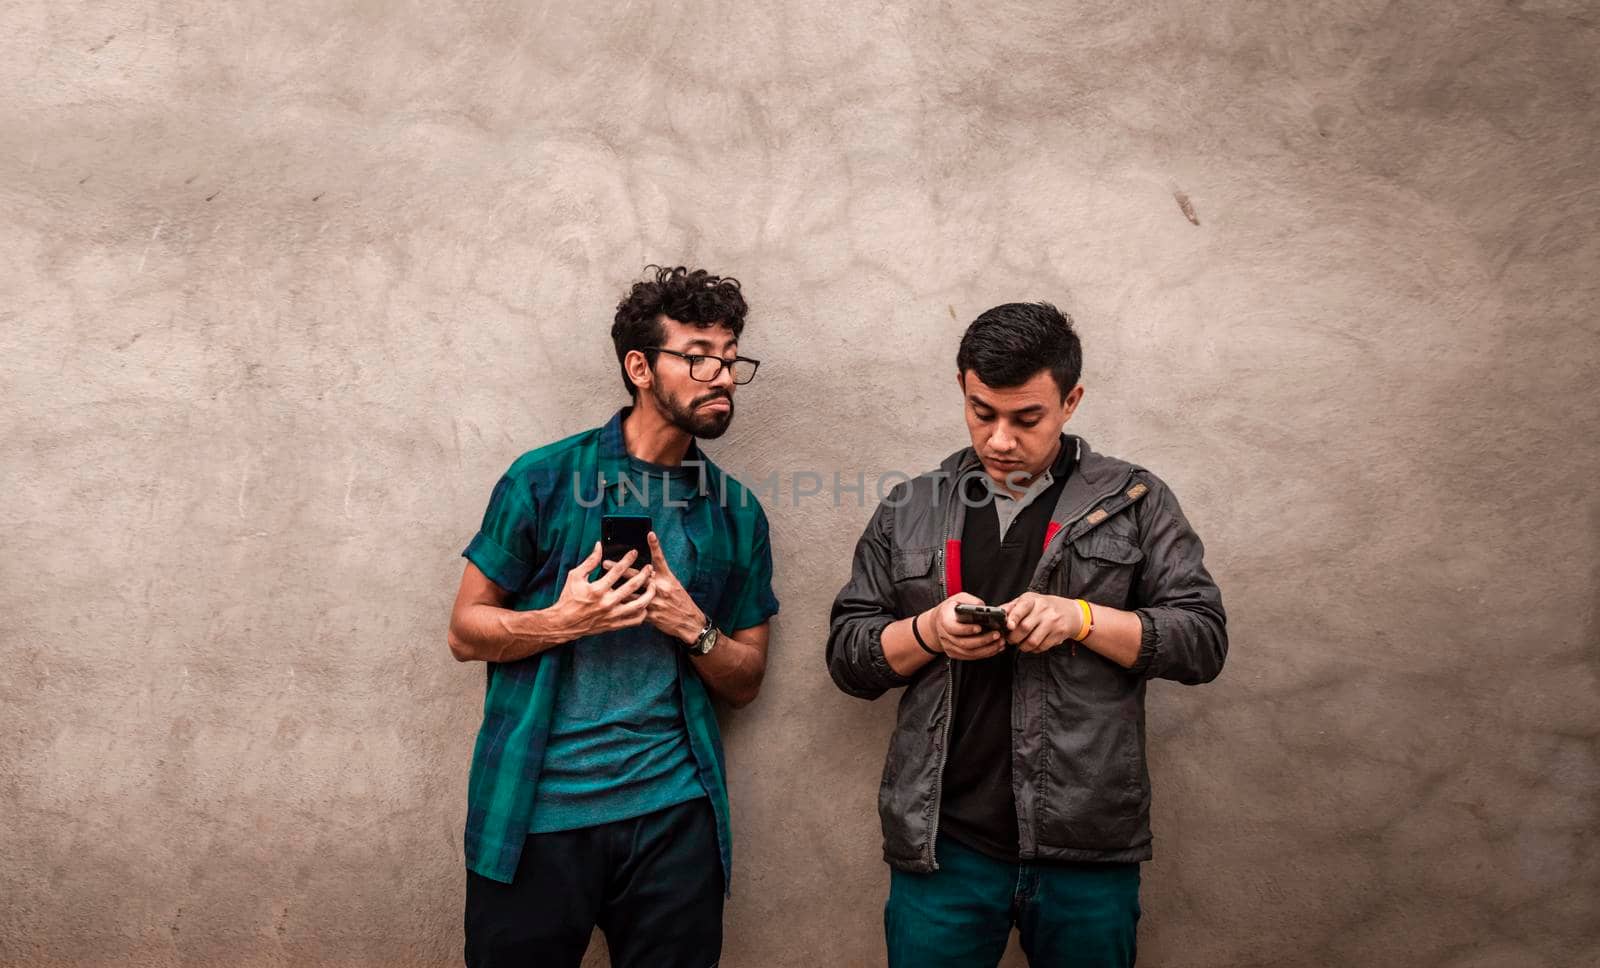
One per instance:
(1078,753)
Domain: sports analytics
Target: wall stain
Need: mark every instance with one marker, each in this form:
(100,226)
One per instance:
(1187,207)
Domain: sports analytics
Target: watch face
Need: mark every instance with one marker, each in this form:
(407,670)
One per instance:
(706,643)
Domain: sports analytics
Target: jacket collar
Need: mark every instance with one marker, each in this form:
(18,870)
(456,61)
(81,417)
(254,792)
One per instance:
(1094,477)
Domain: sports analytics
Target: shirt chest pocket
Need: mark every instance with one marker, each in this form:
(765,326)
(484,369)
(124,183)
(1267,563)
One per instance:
(916,582)
(1104,566)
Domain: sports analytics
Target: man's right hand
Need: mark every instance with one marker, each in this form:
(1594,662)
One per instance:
(958,639)
(605,604)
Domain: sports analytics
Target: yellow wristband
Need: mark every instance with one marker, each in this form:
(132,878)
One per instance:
(1088,621)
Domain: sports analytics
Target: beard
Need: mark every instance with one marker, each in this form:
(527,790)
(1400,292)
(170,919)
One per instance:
(693,421)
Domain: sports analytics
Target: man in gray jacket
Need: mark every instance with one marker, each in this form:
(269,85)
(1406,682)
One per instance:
(1015,792)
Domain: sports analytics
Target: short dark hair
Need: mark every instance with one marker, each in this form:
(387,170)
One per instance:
(692,296)
(1008,344)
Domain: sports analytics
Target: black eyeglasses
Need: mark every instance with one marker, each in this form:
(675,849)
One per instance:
(707,368)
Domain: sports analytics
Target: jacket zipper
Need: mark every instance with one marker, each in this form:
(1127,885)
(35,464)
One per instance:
(949,704)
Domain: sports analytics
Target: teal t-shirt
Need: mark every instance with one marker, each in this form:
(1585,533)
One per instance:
(618,745)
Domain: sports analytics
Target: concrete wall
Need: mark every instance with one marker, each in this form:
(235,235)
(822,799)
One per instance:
(285,286)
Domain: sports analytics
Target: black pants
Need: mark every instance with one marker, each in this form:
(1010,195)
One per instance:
(653,884)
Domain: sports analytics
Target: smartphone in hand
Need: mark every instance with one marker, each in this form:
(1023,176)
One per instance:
(991,617)
(622,533)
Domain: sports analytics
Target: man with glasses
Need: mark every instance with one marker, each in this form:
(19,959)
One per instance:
(597,794)
(1015,792)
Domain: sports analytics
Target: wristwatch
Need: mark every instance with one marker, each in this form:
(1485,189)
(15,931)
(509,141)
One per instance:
(705,641)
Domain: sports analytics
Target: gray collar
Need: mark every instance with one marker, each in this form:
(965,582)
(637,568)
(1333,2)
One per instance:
(1007,508)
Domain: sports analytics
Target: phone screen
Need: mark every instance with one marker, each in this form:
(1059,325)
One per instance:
(622,533)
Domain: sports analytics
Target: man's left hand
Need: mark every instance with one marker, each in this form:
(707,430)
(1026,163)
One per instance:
(1035,622)
(673,611)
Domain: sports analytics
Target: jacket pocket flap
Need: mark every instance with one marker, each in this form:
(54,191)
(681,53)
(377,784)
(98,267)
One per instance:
(910,564)
(1108,546)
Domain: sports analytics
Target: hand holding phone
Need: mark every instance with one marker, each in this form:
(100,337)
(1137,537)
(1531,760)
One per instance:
(604,603)
(991,617)
(962,623)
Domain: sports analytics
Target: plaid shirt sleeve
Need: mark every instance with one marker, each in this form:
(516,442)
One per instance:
(506,545)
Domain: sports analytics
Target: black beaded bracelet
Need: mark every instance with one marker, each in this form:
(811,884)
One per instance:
(916,633)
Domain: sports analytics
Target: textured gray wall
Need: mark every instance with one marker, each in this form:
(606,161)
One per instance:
(285,286)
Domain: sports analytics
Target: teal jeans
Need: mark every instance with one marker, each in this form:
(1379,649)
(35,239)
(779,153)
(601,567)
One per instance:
(960,916)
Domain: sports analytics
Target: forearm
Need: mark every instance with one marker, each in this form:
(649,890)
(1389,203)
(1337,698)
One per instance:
(1193,651)
(1116,635)
(485,633)
(900,646)
(733,670)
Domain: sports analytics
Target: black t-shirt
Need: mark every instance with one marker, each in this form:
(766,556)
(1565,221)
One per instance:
(978,808)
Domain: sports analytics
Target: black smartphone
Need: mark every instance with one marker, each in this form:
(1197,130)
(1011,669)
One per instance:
(622,533)
(991,617)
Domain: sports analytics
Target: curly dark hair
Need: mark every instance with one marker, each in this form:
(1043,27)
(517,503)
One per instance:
(687,295)
(1008,344)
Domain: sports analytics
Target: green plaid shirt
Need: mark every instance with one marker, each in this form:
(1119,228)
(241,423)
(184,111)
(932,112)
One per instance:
(543,519)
